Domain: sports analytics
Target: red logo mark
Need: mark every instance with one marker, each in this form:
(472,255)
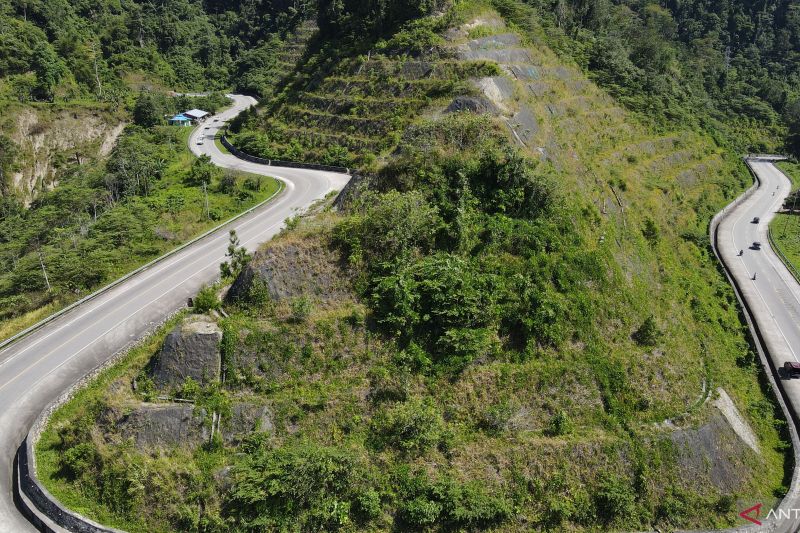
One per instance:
(747,512)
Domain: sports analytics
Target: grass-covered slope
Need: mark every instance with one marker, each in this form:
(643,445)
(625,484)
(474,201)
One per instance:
(785,229)
(515,323)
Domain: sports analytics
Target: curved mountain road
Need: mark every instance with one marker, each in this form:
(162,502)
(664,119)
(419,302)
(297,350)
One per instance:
(772,296)
(37,368)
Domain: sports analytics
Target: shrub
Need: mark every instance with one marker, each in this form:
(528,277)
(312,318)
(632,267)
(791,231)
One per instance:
(495,418)
(299,486)
(472,505)
(368,504)
(389,227)
(444,301)
(77,460)
(615,499)
(258,293)
(301,308)
(206,300)
(412,427)
(560,424)
(648,333)
(189,390)
(454,505)
(651,232)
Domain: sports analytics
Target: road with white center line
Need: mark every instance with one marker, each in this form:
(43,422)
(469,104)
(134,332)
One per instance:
(36,369)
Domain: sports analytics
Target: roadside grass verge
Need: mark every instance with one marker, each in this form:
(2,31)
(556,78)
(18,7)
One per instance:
(83,408)
(218,142)
(785,227)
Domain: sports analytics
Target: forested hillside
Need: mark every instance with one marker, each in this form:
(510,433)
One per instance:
(72,76)
(512,321)
(732,65)
(56,49)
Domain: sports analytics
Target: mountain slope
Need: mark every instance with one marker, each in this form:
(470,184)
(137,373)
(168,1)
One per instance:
(514,323)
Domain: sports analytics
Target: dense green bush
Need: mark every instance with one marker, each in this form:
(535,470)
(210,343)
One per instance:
(206,300)
(430,246)
(447,503)
(299,486)
(412,427)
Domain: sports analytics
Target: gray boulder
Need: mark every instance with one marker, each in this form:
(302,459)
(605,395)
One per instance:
(472,104)
(162,426)
(290,269)
(246,418)
(191,350)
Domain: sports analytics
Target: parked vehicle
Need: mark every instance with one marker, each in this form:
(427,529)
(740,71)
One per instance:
(792,369)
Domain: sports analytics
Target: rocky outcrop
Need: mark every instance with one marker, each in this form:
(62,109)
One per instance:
(244,419)
(472,104)
(191,350)
(293,268)
(152,426)
(48,139)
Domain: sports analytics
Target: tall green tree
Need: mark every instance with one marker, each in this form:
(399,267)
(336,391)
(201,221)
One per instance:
(146,111)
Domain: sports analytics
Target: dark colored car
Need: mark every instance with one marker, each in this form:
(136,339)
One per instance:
(756,245)
(756,220)
(792,368)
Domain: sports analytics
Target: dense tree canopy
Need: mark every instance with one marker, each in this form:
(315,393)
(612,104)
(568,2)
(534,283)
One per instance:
(80,49)
(689,59)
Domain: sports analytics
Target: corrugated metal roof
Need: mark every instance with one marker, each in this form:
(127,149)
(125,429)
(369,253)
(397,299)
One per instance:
(196,113)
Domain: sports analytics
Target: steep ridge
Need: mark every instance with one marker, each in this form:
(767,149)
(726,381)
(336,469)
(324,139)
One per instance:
(572,364)
(48,140)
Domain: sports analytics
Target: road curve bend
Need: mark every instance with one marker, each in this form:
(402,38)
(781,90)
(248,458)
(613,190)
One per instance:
(771,296)
(37,368)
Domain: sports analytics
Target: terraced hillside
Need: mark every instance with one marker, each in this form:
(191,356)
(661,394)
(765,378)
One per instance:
(356,109)
(515,323)
(646,198)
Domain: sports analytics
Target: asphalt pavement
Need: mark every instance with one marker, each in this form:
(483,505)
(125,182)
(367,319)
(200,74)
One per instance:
(772,296)
(38,368)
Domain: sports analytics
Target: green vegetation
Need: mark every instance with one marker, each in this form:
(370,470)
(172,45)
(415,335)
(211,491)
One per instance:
(514,322)
(74,423)
(102,222)
(785,227)
(348,109)
(60,50)
(729,67)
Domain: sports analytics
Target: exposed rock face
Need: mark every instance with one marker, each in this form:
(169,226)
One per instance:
(714,452)
(473,105)
(294,268)
(50,139)
(153,426)
(246,418)
(191,350)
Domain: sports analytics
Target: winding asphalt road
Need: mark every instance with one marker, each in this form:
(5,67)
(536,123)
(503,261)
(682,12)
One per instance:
(771,293)
(37,368)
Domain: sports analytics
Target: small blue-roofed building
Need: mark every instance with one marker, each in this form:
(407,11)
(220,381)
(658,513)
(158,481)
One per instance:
(180,120)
